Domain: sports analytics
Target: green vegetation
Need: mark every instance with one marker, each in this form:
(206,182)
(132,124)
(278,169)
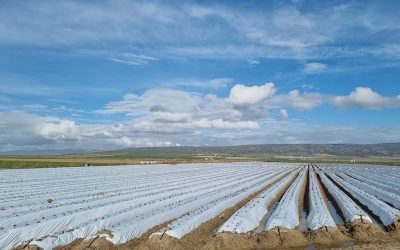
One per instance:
(15,164)
(35,164)
(182,155)
(141,156)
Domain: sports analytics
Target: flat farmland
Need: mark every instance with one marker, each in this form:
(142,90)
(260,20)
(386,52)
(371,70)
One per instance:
(242,205)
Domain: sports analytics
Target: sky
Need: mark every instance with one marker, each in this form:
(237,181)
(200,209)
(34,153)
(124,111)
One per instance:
(101,75)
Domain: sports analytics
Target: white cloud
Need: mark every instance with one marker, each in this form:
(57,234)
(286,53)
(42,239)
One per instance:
(171,111)
(134,59)
(126,142)
(167,111)
(173,100)
(170,126)
(59,131)
(307,86)
(164,126)
(246,95)
(20,128)
(314,67)
(253,62)
(305,101)
(167,117)
(162,117)
(363,97)
(296,100)
(221,124)
(283,113)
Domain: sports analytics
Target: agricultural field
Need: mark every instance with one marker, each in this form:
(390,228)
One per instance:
(250,205)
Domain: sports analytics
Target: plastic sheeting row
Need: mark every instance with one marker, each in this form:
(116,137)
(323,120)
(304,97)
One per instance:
(147,196)
(319,215)
(387,214)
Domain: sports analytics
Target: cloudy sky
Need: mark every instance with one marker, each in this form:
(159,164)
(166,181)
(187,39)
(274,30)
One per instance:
(114,74)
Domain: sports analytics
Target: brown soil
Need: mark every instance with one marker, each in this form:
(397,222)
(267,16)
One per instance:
(327,236)
(366,232)
(25,246)
(394,230)
(73,245)
(276,238)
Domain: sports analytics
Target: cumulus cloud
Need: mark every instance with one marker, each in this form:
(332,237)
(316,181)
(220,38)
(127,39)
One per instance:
(312,68)
(174,100)
(174,124)
(167,117)
(164,117)
(305,101)
(167,111)
(205,125)
(221,124)
(363,97)
(158,108)
(295,99)
(20,128)
(185,109)
(126,142)
(60,131)
(246,95)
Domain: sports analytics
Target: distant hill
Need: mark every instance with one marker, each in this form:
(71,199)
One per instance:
(360,150)
(44,152)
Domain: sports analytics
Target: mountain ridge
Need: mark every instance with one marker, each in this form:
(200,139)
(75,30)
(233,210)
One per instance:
(296,150)
(376,150)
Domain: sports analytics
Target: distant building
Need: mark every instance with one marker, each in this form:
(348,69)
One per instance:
(148,162)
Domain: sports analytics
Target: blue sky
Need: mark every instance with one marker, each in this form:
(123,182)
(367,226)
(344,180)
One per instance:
(113,74)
